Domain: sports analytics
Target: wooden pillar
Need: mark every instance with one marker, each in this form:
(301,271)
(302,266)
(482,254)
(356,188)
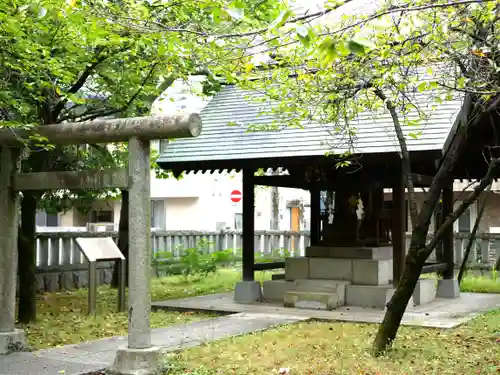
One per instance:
(315,215)
(248,224)
(398,228)
(447,244)
(438,221)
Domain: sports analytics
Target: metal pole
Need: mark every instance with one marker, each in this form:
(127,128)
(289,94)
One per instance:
(92,288)
(139,335)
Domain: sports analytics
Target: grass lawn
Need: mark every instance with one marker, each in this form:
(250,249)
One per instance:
(343,348)
(62,316)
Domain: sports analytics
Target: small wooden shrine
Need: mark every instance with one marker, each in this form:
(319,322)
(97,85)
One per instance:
(375,166)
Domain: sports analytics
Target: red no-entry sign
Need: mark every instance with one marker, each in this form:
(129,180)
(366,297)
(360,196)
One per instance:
(236,196)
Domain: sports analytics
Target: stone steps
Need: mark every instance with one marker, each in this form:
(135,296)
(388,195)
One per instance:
(369,296)
(356,276)
(275,290)
(313,300)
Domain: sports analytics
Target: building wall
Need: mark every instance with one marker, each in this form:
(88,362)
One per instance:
(491,215)
(202,202)
(490,218)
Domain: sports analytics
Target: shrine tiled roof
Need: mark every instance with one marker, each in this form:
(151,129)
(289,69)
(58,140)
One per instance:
(229,115)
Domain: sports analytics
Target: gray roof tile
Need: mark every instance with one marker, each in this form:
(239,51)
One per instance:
(221,141)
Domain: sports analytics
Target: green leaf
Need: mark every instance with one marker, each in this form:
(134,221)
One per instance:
(281,19)
(422,86)
(415,135)
(302,30)
(236,13)
(42,12)
(355,47)
(360,46)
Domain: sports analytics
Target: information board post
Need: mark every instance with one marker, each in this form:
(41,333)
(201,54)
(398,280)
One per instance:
(96,250)
(122,271)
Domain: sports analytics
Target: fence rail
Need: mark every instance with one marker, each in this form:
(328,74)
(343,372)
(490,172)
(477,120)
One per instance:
(61,266)
(59,249)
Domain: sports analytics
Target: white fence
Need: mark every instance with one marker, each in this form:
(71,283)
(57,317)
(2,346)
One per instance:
(59,250)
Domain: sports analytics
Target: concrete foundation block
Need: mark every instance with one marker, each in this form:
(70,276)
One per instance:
(247,291)
(370,272)
(391,270)
(318,252)
(372,296)
(374,253)
(330,269)
(274,290)
(448,288)
(296,268)
(319,301)
(136,362)
(425,291)
(322,286)
(11,342)
(278,276)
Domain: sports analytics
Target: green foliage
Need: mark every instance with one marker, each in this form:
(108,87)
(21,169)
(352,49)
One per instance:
(331,70)
(75,61)
(201,260)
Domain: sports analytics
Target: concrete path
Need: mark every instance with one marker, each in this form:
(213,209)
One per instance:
(440,313)
(95,355)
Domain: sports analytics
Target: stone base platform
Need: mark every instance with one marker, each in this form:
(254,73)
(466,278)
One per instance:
(361,276)
(357,271)
(374,253)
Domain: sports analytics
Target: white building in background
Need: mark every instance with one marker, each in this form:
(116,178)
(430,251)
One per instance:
(196,201)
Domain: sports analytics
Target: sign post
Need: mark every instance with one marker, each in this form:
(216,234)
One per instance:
(97,250)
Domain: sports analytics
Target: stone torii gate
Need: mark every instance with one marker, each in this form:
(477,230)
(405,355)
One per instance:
(139,356)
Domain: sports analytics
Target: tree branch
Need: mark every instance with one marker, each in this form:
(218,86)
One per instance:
(483,184)
(472,237)
(80,82)
(374,16)
(92,115)
(305,17)
(405,155)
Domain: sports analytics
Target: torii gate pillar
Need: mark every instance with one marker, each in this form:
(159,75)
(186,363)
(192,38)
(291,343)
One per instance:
(139,357)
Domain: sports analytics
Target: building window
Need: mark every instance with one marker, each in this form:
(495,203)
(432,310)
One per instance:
(466,221)
(158,214)
(44,219)
(238,221)
(162,147)
(101,216)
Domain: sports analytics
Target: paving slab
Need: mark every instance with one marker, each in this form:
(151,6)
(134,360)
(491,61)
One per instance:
(95,355)
(441,313)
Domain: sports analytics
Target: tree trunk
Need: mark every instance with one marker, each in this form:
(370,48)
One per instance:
(27,259)
(399,301)
(419,252)
(122,238)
